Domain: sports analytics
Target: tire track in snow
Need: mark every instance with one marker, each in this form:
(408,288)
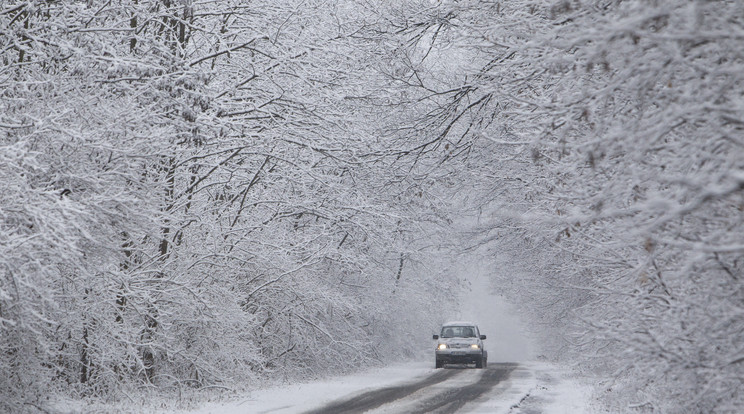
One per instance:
(445,391)
(373,399)
(454,399)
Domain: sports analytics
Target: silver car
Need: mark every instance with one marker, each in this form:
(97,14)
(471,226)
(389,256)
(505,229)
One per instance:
(460,343)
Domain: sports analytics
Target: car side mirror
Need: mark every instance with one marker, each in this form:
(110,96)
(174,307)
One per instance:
(483,337)
(436,336)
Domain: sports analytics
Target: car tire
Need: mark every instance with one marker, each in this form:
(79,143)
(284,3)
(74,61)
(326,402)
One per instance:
(438,364)
(479,363)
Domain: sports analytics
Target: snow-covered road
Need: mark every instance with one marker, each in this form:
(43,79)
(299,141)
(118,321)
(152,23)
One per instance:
(509,388)
(447,390)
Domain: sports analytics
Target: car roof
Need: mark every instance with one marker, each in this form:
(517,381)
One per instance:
(459,323)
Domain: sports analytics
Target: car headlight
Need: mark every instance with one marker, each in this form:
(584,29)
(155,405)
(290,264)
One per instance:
(442,346)
(475,346)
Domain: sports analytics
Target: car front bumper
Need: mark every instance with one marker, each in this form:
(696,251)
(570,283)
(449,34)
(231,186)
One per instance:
(459,357)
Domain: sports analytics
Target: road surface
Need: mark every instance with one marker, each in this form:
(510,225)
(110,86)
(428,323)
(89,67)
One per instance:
(527,387)
(447,390)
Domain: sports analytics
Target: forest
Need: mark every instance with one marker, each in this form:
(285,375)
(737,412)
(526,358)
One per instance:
(199,195)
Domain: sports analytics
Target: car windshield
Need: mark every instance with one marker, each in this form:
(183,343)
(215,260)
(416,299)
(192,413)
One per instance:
(458,332)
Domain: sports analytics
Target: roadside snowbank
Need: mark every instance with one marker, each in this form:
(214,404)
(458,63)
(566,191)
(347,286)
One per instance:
(539,387)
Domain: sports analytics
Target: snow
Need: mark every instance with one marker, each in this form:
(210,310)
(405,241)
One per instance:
(540,387)
(458,323)
(533,387)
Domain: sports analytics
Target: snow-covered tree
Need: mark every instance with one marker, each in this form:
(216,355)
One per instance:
(607,154)
(196,193)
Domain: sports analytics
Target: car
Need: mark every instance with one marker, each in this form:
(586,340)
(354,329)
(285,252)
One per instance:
(460,343)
